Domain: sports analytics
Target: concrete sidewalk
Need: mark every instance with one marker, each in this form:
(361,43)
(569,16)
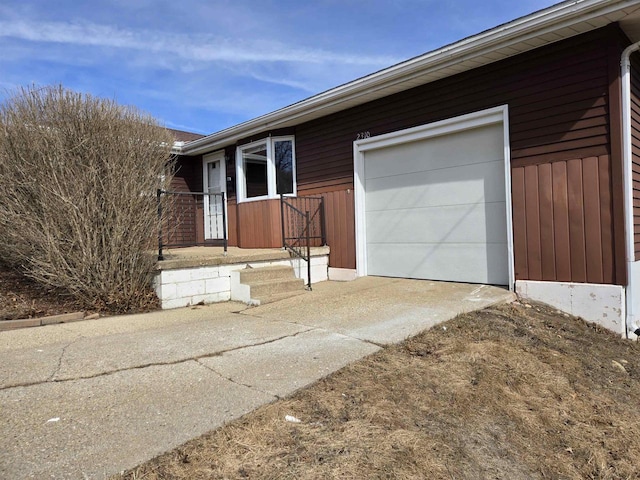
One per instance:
(89,399)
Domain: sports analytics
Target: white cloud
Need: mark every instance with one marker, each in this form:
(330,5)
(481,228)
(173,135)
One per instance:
(200,48)
(298,85)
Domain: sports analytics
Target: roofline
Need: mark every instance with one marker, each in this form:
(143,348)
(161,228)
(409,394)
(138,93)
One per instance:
(518,30)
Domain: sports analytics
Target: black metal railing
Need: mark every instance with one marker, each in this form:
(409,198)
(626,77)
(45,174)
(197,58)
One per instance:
(191,218)
(303,227)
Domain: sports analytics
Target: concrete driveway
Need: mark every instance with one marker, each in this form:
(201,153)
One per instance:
(89,399)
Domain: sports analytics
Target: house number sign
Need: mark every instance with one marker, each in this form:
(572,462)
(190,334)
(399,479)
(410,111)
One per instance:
(363,135)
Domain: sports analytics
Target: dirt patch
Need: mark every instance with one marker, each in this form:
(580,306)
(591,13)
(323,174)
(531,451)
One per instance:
(508,392)
(22,298)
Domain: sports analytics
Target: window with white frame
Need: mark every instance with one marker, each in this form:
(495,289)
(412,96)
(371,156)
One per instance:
(266,168)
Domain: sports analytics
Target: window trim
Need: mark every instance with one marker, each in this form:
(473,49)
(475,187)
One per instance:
(272,188)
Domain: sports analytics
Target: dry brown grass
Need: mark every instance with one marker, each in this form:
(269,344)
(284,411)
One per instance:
(507,392)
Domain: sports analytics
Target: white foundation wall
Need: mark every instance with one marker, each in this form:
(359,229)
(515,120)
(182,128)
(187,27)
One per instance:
(189,286)
(319,268)
(342,274)
(210,284)
(601,304)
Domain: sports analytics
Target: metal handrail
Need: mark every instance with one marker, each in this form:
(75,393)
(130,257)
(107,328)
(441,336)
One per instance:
(162,244)
(303,233)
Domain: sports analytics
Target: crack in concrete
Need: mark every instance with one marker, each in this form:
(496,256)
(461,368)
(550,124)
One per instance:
(313,327)
(146,365)
(352,337)
(59,366)
(250,387)
(242,312)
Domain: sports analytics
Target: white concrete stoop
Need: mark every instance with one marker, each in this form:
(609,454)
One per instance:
(258,286)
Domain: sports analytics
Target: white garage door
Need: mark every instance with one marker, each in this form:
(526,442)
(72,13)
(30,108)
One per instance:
(435,208)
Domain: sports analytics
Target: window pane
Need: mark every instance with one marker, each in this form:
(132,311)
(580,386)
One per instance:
(283,156)
(254,163)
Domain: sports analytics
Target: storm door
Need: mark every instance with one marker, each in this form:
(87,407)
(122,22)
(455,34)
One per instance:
(214,183)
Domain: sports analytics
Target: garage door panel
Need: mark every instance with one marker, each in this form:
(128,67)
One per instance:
(447,262)
(436,208)
(456,185)
(444,151)
(479,223)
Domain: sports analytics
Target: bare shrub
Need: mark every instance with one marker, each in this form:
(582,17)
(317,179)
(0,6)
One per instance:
(78,176)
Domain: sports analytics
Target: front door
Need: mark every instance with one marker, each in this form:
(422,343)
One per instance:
(214,183)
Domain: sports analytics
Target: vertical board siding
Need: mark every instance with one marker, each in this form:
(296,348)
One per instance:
(260,226)
(560,205)
(606,219)
(532,217)
(546,219)
(561,243)
(576,220)
(592,221)
(232,222)
(558,98)
(635,150)
(519,211)
(295,229)
(341,231)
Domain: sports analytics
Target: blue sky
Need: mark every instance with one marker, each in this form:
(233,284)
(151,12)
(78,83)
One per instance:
(206,65)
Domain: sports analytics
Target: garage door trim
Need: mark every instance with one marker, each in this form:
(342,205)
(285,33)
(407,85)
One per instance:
(497,115)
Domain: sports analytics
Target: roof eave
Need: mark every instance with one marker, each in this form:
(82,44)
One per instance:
(519,30)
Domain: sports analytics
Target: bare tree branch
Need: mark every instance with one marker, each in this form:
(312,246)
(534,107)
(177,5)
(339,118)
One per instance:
(78,176)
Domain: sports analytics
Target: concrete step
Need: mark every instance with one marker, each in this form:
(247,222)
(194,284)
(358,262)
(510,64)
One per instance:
(257,286)
(252,275)
(273,286)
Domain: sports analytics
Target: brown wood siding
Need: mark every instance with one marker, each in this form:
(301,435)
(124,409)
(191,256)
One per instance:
(557,96)
(260,225)
(185,224)
(566,223)
(341,230)
(188,178)
(232,208)
(635,150)
(616,46)
(188,174)
(562,221)
(232,222)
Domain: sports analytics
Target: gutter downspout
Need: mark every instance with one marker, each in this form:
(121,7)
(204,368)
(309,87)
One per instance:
(632,324)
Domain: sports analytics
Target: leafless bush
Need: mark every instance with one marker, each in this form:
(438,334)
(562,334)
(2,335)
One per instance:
(78,176)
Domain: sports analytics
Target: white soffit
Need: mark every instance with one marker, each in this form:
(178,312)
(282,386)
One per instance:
(541,28)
